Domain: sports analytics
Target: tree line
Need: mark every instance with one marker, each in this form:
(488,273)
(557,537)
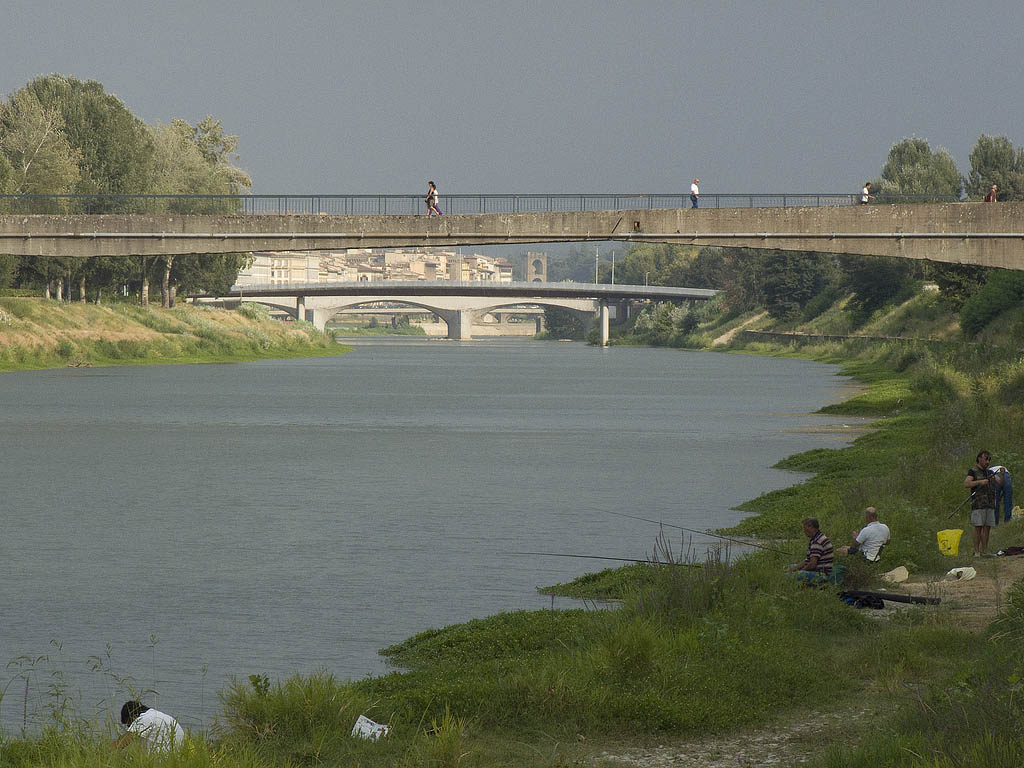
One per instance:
(60,135)
(799,285)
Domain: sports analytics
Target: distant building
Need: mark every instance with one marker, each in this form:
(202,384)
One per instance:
(371,264)
(536,267)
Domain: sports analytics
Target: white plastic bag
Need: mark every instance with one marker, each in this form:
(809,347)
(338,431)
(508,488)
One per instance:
(960,574)
(367,729)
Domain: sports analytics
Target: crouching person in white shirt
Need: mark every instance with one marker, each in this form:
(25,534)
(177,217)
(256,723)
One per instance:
(870,539)
(156,731)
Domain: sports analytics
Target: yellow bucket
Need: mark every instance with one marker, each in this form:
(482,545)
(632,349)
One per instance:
(949,541)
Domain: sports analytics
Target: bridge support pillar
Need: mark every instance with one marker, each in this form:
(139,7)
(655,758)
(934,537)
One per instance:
(462,328)
(300,307)
(318,317)
(604,323)
(459,321)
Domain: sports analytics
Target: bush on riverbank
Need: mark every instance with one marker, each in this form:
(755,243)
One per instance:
(40,333)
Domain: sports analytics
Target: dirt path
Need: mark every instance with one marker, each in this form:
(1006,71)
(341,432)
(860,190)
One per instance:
(726,337)
(973,604)
(789,744)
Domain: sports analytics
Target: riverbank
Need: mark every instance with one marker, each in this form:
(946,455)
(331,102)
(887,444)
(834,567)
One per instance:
(724,657)
(40,333)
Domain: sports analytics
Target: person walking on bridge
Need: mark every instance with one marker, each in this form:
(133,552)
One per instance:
(431,199)
(993,194)
(865,194)
(694,193)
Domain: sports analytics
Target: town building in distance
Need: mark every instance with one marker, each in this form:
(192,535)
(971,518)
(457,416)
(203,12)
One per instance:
(373,264)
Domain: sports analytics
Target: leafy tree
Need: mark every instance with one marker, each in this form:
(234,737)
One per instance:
(790,279)
(1004,289)
(656,264)
(8,270)
(995,161)
(6,173)
(957,282)
(706,270)
(563,323)
(577,266)
(207,272)
(875,280)
(913,169)
(38,157)
(116,147)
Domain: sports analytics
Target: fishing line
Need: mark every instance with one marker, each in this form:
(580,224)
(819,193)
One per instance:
(599,557)
(701,533)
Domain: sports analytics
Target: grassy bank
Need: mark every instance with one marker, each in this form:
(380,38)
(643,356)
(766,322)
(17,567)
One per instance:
(39,333)
(695,652)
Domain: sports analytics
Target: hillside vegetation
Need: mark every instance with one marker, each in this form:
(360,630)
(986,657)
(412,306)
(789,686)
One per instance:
(42,333)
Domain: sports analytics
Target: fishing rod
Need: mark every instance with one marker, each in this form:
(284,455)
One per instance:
(958,506)
(702,533)
(599,557)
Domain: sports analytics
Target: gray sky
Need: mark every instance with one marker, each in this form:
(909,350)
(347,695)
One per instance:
(556,96)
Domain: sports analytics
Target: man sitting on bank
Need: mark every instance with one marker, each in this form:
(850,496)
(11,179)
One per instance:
(817,565)
(870,539)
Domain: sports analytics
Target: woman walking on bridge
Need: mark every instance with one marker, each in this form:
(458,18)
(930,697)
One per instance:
(431,199)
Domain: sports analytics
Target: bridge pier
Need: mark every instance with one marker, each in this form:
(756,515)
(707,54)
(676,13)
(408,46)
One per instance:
(604,323)
(300,307)
(318,317)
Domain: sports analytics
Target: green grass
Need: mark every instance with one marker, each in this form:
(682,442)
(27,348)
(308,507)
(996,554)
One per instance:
(36,333)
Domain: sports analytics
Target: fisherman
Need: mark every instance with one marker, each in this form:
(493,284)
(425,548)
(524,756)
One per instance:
(983,483)
(817,565)
(870,539)
(156,731)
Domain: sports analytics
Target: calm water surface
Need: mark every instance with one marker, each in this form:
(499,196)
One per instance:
(190,523)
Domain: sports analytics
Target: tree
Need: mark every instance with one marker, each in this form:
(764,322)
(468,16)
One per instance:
(115,146)
(957,282)
(995,161)
(190,161)
(1004,290)
(563,323)
(39,158)
(656,264)
(875,280)
(790,279)
(913,169)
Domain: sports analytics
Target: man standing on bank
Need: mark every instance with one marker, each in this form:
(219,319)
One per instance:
(694,193)
(870,539)
(983,483)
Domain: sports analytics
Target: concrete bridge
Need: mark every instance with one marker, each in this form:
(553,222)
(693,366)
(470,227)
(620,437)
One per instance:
(459,304)
(985,234)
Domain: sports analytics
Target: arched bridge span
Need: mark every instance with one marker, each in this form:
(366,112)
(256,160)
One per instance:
(458,303)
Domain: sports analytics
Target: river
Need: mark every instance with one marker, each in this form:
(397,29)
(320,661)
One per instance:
(185,524)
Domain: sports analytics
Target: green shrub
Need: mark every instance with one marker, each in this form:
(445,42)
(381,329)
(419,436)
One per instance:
(1004,289)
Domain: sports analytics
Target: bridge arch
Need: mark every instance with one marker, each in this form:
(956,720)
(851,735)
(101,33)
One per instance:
(458,314)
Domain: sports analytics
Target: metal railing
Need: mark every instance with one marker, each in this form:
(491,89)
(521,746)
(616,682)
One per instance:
(333,205)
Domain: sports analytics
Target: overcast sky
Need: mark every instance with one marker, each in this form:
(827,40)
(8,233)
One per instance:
(554,96)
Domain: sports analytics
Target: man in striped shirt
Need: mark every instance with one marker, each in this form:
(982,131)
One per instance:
(817,565)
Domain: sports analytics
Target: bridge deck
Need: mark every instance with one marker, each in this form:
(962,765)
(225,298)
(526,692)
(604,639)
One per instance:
(970,233)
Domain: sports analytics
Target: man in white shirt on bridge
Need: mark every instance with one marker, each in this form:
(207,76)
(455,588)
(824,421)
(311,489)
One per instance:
(694,193)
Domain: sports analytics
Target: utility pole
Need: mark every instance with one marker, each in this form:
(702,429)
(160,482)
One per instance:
(613,267)
(597,259)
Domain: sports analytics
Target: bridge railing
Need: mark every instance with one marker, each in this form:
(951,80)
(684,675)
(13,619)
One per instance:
(414,204)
